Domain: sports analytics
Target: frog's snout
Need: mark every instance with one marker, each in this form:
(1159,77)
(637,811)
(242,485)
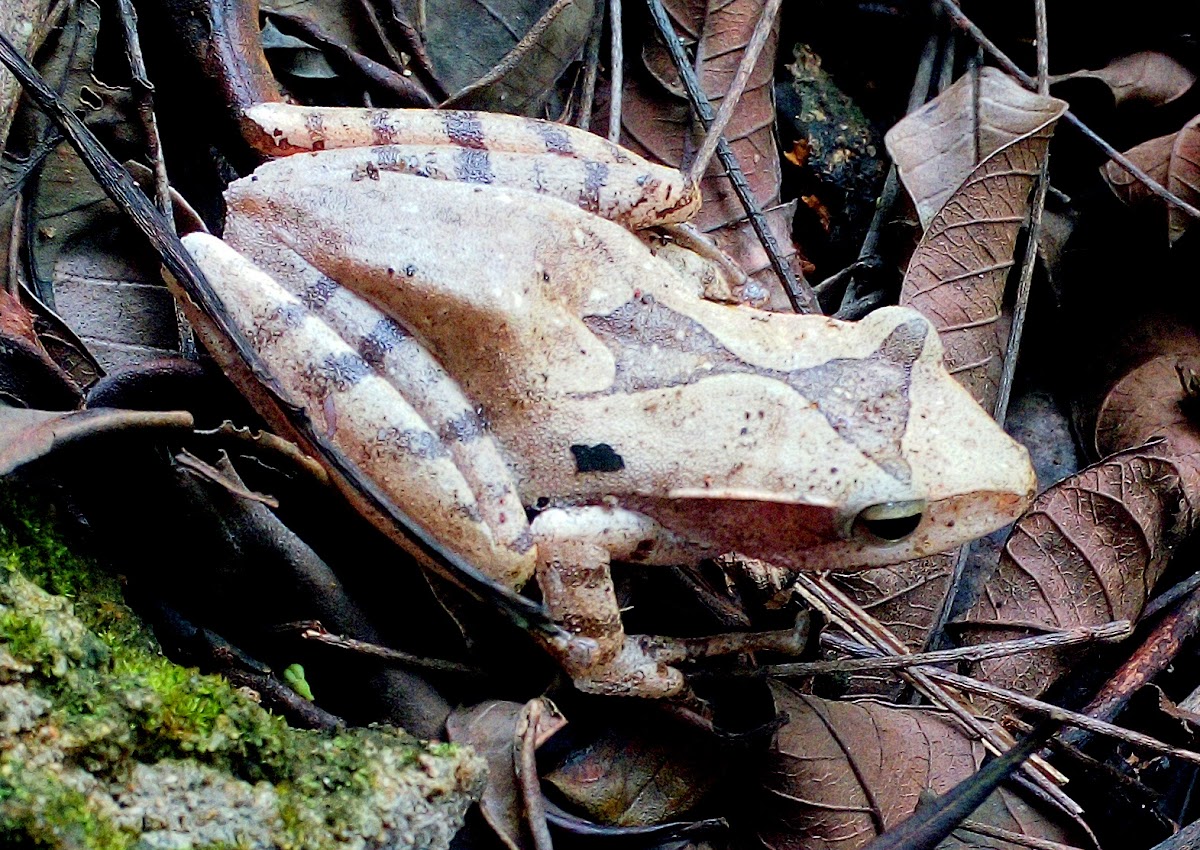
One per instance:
(889,522)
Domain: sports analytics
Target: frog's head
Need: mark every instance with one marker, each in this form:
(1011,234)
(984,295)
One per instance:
(950,473)
(871,455)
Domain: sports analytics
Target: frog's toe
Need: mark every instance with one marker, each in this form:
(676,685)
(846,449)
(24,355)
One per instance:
(633,673)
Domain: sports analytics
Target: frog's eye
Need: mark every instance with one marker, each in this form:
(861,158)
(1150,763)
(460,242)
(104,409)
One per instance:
(890,522)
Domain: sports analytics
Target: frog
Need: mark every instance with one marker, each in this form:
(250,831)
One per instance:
(468,306)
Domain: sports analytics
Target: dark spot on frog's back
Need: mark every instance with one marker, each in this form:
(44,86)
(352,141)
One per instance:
(597,458)
(464,129)
(904,344)
(595,178)
(473,166)
(383,338)
(554,138)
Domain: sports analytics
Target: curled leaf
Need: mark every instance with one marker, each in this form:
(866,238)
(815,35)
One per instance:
(1172,161)
(939,146)
(28,435)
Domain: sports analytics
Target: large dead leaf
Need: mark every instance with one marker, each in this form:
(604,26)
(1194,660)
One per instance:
(656,120)
(843,772)
(1091,548)
(491,728)
(1147,77)
(520,80)
(1173,161)
(972,185)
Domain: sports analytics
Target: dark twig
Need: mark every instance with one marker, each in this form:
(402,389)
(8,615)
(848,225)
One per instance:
(616,71)
(187,274)
(1157,651)
(1025,280)
(741,78)
(315,632)
(1169,597)
(853,304)
(966,25)
(929,826)
(591,70)
(799,293)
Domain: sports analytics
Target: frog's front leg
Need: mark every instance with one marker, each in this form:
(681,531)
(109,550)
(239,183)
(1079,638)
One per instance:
(575,547)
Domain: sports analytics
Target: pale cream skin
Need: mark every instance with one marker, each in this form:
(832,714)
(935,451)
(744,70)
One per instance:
(484,347)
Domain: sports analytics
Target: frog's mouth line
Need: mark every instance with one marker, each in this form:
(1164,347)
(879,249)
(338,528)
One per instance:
(865,400)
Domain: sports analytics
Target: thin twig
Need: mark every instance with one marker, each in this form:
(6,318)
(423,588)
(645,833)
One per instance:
(966,25)
(591,71)
(798,290)
(525,763)
(1018,838)
(16,234)
(758,40)
(841,610)
(144,94)
(1025,280)
(1115,631)
(316,633)
(616,71)
(1073,718)
(1158,650)
(1169,597)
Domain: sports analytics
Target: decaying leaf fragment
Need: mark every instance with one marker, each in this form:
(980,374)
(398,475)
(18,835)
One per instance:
(637,776)
(842,773)
(491,728)
(1173,161)
(1147,76)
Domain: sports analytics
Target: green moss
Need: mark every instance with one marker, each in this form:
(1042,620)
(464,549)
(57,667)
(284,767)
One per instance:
(117,701)
(37,809)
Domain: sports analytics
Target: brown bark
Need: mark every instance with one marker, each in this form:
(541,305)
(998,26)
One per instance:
(24,22)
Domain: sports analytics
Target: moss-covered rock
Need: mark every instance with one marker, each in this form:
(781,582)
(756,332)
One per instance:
(105,744)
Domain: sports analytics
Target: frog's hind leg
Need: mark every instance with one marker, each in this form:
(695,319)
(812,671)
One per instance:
(575,547)
(411,369)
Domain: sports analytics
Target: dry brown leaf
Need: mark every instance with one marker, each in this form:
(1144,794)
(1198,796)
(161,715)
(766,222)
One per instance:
(843,772)
(1146,77)
(957,275)
(938,147)
(1091,548)
(637,776)
(656,121)
(1173,161)
(490,728)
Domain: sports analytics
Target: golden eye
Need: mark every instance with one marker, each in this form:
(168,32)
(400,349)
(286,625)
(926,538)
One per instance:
(890,522)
